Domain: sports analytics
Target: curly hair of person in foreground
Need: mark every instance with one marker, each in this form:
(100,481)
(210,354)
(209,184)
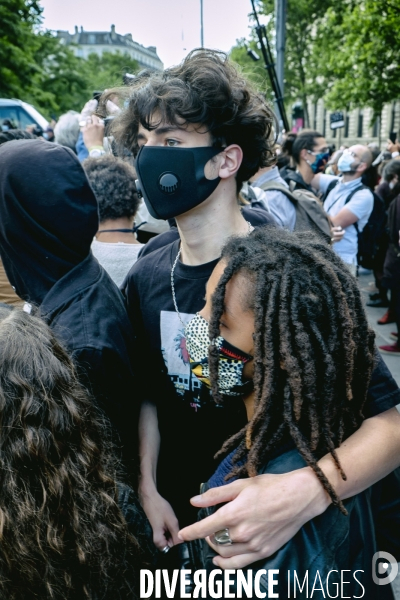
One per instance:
(62,534)
(313,348)
(207,90)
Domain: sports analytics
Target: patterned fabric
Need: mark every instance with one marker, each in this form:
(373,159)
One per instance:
(231,359)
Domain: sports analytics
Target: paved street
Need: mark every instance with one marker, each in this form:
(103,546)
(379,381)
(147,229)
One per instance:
(367,286)
(366,282)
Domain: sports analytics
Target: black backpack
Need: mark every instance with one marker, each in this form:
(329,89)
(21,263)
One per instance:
(368,238)
(310,215)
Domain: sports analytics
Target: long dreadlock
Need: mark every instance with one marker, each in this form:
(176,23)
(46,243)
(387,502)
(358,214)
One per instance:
(313,349)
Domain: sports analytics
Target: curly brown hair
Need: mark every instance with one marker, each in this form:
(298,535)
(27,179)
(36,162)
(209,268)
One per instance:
(113,183)
(62,534)
(313,348)
(205,89)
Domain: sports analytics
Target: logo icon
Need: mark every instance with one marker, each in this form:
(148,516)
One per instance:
(384,563)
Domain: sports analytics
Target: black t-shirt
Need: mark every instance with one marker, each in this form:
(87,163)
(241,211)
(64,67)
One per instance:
(192,426)
(257,217)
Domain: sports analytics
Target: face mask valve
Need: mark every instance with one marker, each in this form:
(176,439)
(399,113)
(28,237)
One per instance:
(172,181)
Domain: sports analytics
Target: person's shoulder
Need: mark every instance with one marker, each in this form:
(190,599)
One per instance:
(383,391)
(363,196)
(160,240)
(325,181)
(159,259)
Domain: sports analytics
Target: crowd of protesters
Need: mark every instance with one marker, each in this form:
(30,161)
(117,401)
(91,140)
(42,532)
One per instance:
(188,377)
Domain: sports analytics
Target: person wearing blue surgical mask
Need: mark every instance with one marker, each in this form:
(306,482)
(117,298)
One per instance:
(347,201)
(309,154)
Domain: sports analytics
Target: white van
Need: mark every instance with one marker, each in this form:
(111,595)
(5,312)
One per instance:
(21,114)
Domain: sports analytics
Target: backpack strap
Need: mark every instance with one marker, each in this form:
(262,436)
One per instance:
(358,189)
(272,186)
(349,197)
(330,187)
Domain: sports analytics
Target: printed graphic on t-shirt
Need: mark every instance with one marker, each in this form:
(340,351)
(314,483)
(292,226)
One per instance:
(176,357)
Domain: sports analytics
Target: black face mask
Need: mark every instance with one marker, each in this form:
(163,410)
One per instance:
(172,180)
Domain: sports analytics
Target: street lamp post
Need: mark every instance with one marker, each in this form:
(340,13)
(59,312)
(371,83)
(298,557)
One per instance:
(201,25)
(280,27)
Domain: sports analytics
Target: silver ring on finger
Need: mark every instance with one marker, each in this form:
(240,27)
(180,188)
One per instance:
(165,550)
(222,537)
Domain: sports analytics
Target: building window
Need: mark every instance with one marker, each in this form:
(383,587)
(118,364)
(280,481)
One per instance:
(315,116)
(346,126)
(91,38)
(324,126)
(360,124)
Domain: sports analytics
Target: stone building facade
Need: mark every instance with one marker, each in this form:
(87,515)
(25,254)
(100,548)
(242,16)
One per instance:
(88,42)
(359,125)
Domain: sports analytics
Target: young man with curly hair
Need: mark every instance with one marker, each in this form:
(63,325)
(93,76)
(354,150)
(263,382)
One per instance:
(198,131)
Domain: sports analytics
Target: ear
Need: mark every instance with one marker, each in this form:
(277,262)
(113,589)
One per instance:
(229,161)
(304,154)
(362,167)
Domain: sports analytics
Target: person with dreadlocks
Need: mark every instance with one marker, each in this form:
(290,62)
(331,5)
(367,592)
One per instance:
(284,328)
(198,130)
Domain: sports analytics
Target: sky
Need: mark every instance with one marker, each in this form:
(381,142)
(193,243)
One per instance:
(173,26)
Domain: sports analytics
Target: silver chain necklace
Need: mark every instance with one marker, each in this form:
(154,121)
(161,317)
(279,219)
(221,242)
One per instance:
(250,229)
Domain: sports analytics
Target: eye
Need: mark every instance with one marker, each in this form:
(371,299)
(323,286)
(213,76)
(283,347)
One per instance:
(171,143)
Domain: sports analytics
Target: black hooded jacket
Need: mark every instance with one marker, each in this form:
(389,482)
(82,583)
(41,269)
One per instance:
(48,218)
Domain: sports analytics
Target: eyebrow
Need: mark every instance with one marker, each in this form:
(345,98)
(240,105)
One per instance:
(162,130)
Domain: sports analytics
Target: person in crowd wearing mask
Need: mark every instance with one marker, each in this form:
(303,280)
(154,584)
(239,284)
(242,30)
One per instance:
(310,153)
(70,529)
(48,134)
(391,268)
(6,125)
(113,182)
(198,131)
(284,328)
(348,203)
(49,217)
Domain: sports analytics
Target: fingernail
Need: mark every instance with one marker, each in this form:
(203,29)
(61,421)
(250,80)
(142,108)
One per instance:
(196,498)
(180,537)
(215,562)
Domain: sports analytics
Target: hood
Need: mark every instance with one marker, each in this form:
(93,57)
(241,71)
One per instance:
(48,215)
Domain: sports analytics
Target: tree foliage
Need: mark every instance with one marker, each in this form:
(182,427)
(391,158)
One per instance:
(301,80)
(37,68)
(362,54)
(254,71)
(18,20)
(346,51)
(107,71)
(59,82)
